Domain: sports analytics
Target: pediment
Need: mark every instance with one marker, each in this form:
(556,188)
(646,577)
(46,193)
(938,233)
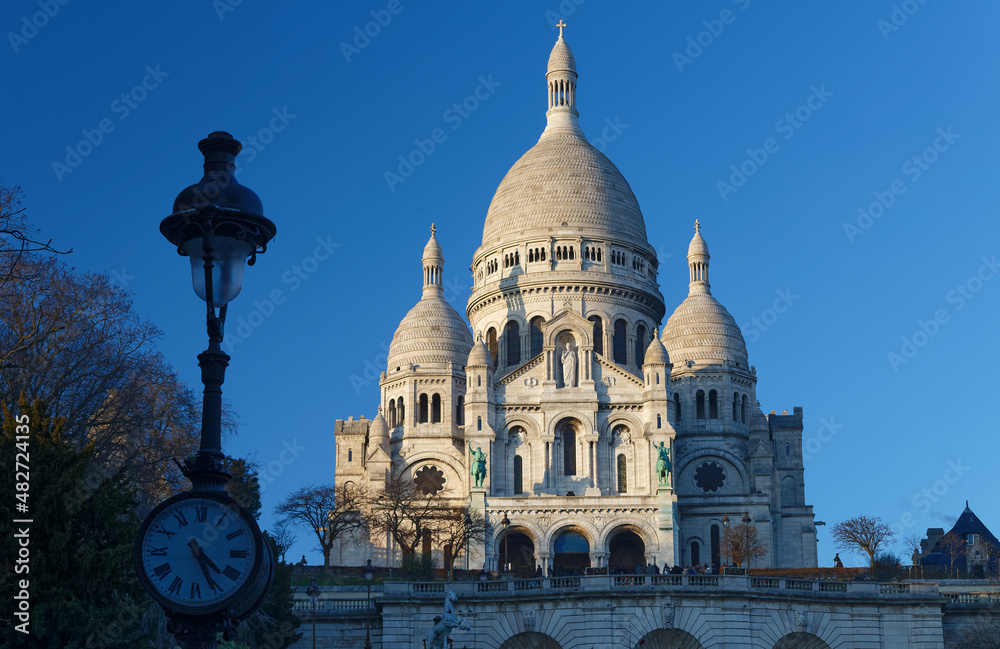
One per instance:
(571,321)
(533,372)
(378,455)
(610,369)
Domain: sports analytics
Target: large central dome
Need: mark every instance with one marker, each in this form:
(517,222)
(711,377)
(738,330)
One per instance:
(564,182)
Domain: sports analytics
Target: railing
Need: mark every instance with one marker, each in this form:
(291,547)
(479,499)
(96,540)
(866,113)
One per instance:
(333,605)
(973,598)
(654,582)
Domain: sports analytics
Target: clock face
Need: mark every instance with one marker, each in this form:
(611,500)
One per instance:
(196,552)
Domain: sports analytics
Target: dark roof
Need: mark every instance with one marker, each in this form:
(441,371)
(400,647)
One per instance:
(967,523)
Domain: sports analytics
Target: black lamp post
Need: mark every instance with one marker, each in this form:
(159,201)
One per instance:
(506,524)
(369,575)
(313,593)
(725,535)
(220,225)
(746,538)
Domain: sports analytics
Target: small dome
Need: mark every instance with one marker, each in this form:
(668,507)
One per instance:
(432,251)
(561,59)
(656,353)
(698,247)
(701,330)
(479,356)
(432,333)
(379,428)
(758,422)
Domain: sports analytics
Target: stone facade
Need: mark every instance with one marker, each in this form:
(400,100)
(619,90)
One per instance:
(567,386)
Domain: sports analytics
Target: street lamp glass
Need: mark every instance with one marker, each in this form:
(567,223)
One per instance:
(369,571)
(313,591)
(229,261)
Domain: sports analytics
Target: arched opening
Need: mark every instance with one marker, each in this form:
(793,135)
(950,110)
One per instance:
(392,413)
(695,553)
(518,475)
(626,551)
(716,548)
(536,335)
(618,343)
(350,455)
(622,474)
(422,410)
(677,407)
(746,410)
(658,422)
(479,423)
(513,334)
(402,414)
(491,344)
(640,345)
(522,552)
(460,411)
(700,404)
(598,334)
(569,450)
(530,640)
(571,554)
(669,639)
(736,407)
(713,404)
(436,409)
(801,640)
(788,491)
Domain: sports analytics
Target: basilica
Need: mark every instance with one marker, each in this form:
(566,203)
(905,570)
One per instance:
(588,435)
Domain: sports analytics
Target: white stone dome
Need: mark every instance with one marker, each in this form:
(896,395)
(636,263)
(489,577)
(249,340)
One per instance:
(703,331)
(432,333)
(656,353)
(563,182)
(479,356)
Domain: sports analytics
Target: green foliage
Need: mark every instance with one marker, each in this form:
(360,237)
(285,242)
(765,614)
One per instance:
(84,592)
(888,567)
(244,486)
(417,567)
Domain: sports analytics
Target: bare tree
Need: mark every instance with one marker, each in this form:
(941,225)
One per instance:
(459,532)
(983,632)
(408,514)
(330,511)
(284,537)
(17,240)
(952,546)
(863,534)
(743,544)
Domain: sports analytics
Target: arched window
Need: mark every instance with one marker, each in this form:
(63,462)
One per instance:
(518,475)
(700,404)
(543,254)
(695,553)
(598,334)
(640,345)
(788,450)
(436,409)
(350,455)
(513,334)
(479,423)
(479,381)
(618,343)
(716,546)
(491,344)
(788,491)
(460,411)
(536,335)
(677,407)
(658,423)
(746,410)
(422,410)
(569,451)
(402,414)
(392,413)
(736,407)
(713,404)
(622,474)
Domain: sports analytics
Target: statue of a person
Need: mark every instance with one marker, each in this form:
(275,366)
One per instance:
(478,468)
(569,367)
(663,465)
(437,638)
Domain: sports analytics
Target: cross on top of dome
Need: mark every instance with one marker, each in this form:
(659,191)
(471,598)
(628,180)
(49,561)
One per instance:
(560,25)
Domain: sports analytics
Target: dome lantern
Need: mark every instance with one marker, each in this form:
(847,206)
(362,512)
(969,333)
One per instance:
(698,263)
(561,76)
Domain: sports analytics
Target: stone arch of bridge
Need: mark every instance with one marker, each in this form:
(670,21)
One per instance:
(669,639)
(801,640)
(530,640)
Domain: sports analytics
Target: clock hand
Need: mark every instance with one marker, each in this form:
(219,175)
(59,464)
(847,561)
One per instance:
(199,554)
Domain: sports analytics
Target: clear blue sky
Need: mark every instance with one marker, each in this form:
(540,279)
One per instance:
(880,94)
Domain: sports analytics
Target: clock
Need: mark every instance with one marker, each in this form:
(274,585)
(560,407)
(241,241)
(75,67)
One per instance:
(201,553)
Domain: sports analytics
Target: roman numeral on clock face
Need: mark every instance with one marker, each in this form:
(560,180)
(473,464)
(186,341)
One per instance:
(237,554)
(231,572)
(234,534)
(163,531)
(175,586)
(195,590)
(200,514)
(181,519)
(161,570)
(158,552)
